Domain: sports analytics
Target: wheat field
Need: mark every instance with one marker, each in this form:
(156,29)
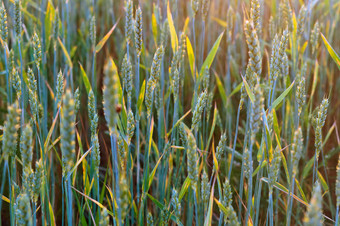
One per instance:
(169,112)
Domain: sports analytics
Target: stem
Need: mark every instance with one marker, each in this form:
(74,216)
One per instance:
(234,145)
(3,181)
(290,201)
(62,201)
(34,213)
(69,199)
(337,216)
(115,179)
(55,75)
(272,98)
(250,182)
(94,86)
(8,88)
(271,209)
(22,86)
(11,193)
(196,208)
(202,43)
(137,128)
(194,69)
(242,168)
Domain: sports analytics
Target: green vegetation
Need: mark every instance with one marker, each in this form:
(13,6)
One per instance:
(181,112)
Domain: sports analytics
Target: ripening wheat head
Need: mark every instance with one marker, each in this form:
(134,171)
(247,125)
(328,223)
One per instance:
(313,216)
(3,24)
(23,212)
(139,31)
(110,94)
(67,132)
(9,141)
(26,148)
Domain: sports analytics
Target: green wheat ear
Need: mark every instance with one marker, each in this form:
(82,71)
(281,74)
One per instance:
(130,126)
(26,146)
(314,37)
(76,100)
(16,82)
(3,25)
(255,15)
(150,86)
(205,9)
(128,20)
(283,44)
(256,112)
(301,20)
(165,215)
(55,30)
(127,77)
(209,105)
(38,179)
(93,31)
(17,17)
(206,77)
(28,181)
(255,59)
(286,15)
(175,203)
(274,61)
(246,162)
(313,216)
(92,111)
(285,66)
(192,160)
(175,82)
(11,61)
(227,194)
(36,50)
(157,97)
(60,88)
(272,27)
(149,219)
(33,96)
(95,153)
(205,189)
(104,218)
(230,218)
(301,94)
(110,94)
(221,147)
(23,212)
(164,33)
(67,133)
(139,31)
(124,195)
(156,63)
(11,127)
(319,122)
(122,152)
(154,78)
(197,115)
(297,148)
(230,24)
(195,6)
(182,133)
(274,168)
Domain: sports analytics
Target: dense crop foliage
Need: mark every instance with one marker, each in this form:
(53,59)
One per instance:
(181,112)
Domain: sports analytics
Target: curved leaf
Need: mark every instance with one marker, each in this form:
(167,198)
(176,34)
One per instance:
(102,42)
(173,35)
(331,51)
(211,56)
